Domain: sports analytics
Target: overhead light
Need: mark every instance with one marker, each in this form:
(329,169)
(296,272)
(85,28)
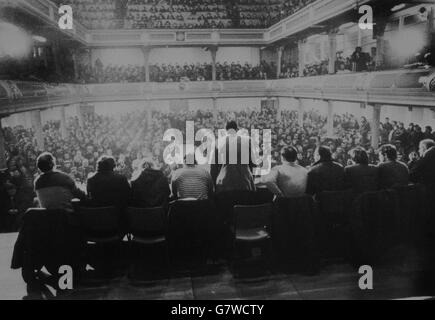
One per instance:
(398,7)
(39,39)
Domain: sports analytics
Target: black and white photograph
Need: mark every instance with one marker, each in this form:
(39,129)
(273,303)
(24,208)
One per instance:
(214,155)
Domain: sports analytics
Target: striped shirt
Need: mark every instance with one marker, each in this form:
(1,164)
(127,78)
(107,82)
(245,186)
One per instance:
(192,182)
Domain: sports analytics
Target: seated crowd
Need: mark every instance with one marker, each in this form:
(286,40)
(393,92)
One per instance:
(135,153)
(183,14)
(175,73)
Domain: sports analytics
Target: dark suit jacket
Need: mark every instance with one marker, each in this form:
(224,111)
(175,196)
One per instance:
(108,189)
(237,176)
(325,176)
(150,189)
(424,169)
(393,173)
(361,178)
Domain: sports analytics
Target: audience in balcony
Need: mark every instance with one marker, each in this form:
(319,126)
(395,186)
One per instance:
(182,14)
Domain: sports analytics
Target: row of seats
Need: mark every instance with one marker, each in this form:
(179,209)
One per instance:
(239,225)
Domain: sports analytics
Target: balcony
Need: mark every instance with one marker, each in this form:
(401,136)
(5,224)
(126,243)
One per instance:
(399,87)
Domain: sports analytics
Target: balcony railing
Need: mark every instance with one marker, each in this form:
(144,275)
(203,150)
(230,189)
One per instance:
(399,87)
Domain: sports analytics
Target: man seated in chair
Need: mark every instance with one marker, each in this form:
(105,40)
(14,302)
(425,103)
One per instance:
(55,189)
(191,181)
(288,180)
(149,186)
(106,187)
(325,174)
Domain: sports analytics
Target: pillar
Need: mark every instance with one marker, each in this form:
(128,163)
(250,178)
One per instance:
(213,52)
(146,56)
(375,125)
(332,53)
(80,115)
(300,112)
(37,129)
(330,119)
(215,111)
(279,52)
(3,164)
(301,59)
(149,115)
(63,126)
(57,56)
(278,109)
(75,64)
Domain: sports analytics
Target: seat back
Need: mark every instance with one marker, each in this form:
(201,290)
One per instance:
(412,211)
(252,217)
(146,221)
(48,238)
(226,201)
(334,206)
(100,220)
(293,227)
(375,222)
(188,220)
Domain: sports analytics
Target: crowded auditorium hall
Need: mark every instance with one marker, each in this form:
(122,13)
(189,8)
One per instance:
(217,150)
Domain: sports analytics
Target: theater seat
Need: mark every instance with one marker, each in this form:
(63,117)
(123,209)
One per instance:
(252,229)
(413,208)
(100,225)
(333,223)
(293,229)
(190,233)
(50,239)
(375,225)
(146,225)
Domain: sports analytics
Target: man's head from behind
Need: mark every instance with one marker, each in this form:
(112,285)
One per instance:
(46,162)
(323,153)
(425,145)
(289,154)
(106,164)
(388,152)
(231,125)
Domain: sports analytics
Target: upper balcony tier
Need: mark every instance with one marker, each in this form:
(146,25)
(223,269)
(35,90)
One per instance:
(313,13)
(400,87)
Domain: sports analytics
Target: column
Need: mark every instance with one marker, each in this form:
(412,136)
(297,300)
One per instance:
(301,59)
(332,53)
(278,109)
(37,129)
(149,115)
(56,57)
(146,56)
(63,126)
(215,110)
(330,119)
(213,52)
(300,112)
(379,29)
(279,52)
(75,64)
(80,115)
(375,125)
(3,164)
